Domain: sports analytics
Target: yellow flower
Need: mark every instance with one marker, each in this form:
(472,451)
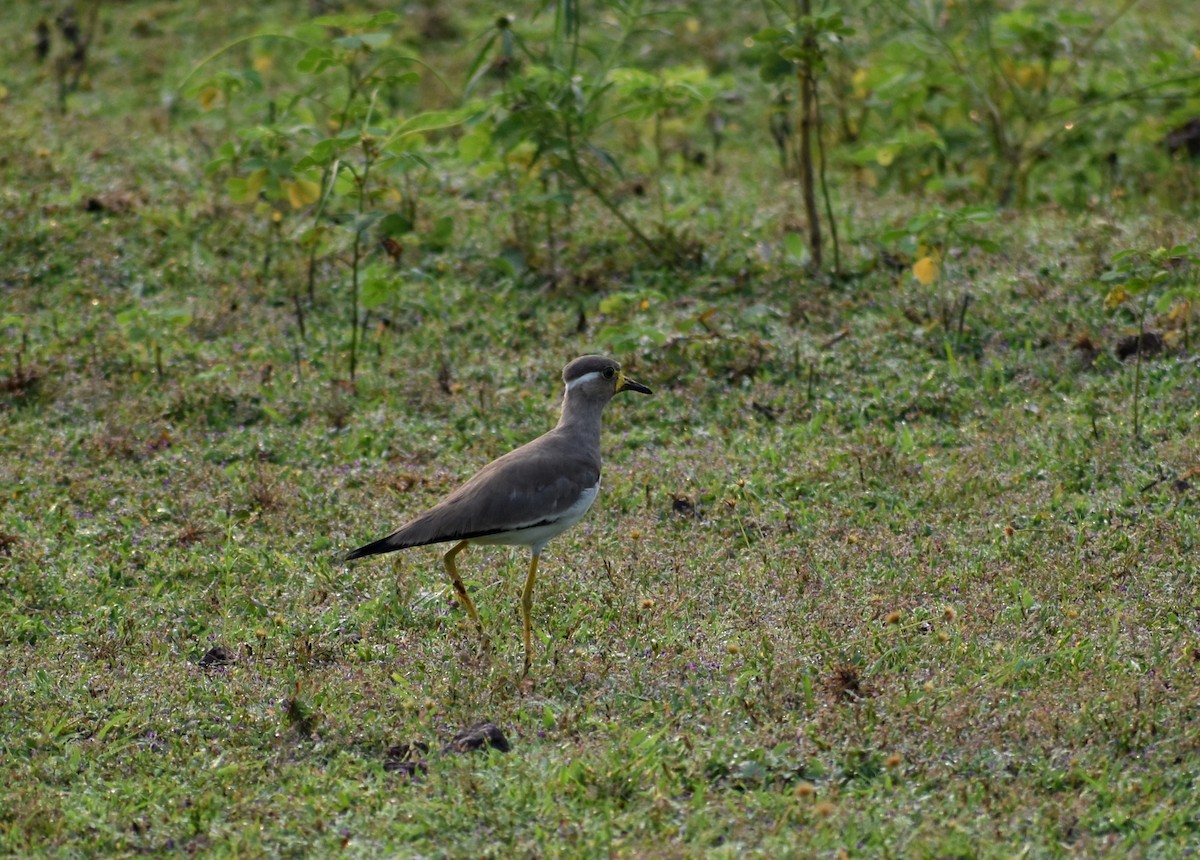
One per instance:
(210,97)
(1115,297)
(925,270)
(301,192)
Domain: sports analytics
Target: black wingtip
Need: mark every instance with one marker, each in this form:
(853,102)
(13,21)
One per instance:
(373,548)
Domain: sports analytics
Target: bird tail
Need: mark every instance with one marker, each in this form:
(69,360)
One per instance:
(387,544)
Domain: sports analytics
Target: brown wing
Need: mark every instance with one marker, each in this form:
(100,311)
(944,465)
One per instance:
(533,485)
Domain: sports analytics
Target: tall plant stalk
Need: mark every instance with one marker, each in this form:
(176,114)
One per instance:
(791,54)
(808,125)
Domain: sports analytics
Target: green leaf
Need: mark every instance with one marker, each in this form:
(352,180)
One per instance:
(377,287)
(775,67)
(1073,18)
(381,19)
(246,189)
(475,144)
(315,61)
(403,79)
(313,236)
(128,316)
(616,304)
(919,223)
(375,40)
(431,121)
(629,80)
(480,64)
(794,243)
(213,166)
(177,317)
(607,157)
(978,214)
(320,155)
(1168,299)
(351,21)
(889,237)
(395,224)
(443,232)
(771,34)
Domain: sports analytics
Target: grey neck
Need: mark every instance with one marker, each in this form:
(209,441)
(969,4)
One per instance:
(581,415)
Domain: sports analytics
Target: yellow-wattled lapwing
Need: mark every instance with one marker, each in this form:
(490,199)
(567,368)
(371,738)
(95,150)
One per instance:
(529,495)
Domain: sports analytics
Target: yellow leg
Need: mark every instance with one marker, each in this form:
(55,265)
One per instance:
(461,590)
(526,605)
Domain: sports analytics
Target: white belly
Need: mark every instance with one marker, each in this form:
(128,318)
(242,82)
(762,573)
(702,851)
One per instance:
(536,536)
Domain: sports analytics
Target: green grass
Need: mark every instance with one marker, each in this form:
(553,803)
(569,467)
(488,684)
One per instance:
(909,592)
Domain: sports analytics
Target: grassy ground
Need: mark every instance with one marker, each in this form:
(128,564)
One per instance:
(863,580)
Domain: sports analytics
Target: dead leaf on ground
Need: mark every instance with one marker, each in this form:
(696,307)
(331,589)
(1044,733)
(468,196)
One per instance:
(1151,344)
(111,203)
(216,657)
(407,758)
(477,737)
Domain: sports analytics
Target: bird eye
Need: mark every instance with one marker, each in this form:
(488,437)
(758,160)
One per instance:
(610,372)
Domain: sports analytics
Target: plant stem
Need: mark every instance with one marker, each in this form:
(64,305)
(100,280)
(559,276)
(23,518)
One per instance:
(805,156)
(354,306)
(658,168)
(833,233)
(299,314)
(551,233)
(368,160)
(1137,370)
(577,170)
